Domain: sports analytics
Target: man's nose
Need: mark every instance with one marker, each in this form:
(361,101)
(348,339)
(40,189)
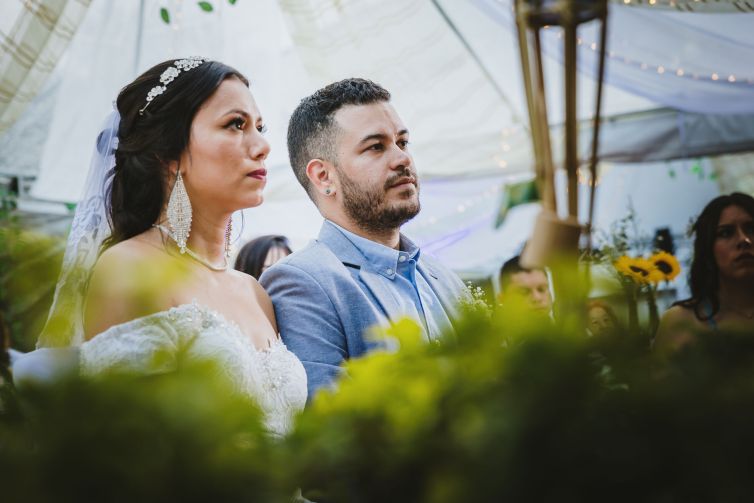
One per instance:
(402,159)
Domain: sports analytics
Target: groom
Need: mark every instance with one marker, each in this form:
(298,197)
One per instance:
(350,151)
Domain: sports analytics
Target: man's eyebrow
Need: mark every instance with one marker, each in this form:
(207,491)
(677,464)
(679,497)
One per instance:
(373,136)
(381,136)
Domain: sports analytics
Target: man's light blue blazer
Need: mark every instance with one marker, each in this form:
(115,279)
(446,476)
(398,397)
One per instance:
(327,295)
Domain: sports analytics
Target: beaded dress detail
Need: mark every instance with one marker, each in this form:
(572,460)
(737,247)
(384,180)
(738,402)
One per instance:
(274,377)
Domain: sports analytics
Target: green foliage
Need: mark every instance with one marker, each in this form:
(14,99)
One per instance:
(511,411)
(516,194)
(178,437)
(203,5)
(165,15)
(511,408)
(29,266)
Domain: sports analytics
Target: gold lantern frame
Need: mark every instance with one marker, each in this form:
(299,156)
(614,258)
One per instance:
(555,237)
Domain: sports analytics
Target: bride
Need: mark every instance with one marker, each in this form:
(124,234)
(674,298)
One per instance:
(183,150)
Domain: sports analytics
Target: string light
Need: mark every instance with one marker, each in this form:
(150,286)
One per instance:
(693,5)
(482,201)
(679,72)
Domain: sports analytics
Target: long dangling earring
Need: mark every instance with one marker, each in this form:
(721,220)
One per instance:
(228,231)
(179,213)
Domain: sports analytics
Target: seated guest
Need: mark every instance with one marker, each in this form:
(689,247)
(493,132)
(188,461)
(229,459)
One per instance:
(721,274)
(529,285)
(260,253)
(600,319)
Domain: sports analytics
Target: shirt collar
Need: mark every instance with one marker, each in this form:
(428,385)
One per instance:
(381,258)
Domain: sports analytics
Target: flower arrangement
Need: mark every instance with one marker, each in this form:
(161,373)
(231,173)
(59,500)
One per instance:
(640,277)
(662,266)
(638,272)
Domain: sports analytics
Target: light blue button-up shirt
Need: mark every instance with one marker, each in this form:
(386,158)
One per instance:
(411,290)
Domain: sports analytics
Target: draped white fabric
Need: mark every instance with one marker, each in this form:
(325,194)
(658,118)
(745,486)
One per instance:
(690,61)
(717,6)
(454,72)
(463,121)
(33,36)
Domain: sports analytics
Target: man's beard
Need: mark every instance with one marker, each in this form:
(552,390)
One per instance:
(367,207)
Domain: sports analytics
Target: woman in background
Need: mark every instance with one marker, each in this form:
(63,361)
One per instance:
(260,253)
(721,278)
(601,319)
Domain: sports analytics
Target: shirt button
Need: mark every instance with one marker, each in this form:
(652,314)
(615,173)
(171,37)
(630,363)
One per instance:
(402,258)
(388,271)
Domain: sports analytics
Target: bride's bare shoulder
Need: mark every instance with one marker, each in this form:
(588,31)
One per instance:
(132,278)
(260,294)
(135,249)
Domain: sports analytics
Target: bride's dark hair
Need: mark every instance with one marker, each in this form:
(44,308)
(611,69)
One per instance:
(148,142)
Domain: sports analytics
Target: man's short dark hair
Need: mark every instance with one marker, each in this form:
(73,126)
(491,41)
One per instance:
(312,130)
(511,267)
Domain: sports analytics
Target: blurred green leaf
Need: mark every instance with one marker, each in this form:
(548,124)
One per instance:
(205,6)
(165,15)
(232,2)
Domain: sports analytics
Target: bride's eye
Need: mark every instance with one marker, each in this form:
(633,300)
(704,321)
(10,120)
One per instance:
(262,128)
(236,123)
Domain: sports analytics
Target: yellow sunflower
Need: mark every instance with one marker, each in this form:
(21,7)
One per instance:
(639,269)
(666,264)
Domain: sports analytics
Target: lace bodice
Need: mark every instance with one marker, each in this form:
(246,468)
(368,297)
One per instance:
(274,377)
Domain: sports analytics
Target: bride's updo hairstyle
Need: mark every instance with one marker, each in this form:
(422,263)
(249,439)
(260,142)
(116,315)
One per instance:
(149,138)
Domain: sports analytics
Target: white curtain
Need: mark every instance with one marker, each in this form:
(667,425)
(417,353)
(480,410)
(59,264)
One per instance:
(456,113)
(33,36)
(695,62)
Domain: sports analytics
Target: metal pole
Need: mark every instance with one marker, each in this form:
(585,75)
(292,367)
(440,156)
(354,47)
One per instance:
(139,36)
(477,60)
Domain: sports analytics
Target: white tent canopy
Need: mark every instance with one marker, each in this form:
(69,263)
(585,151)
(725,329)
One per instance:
(452,67)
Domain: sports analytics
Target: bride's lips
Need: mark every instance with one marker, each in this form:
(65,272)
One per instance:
(259,174)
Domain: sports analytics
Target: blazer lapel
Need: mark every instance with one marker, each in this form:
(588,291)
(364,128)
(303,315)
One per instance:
(351,257)
(448,298)
(378,286)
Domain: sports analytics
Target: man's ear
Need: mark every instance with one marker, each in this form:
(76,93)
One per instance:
(322,176)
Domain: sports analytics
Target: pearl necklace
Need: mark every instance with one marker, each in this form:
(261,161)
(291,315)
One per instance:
(206,263)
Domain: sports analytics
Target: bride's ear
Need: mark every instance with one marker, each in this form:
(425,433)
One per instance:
(172,167)
(322,176)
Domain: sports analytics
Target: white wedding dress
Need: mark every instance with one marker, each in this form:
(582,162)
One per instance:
(274,377)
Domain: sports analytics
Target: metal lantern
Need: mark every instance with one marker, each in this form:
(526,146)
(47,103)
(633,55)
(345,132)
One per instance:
(555,236)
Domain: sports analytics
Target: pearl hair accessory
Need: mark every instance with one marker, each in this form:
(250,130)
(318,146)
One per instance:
(169,75)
